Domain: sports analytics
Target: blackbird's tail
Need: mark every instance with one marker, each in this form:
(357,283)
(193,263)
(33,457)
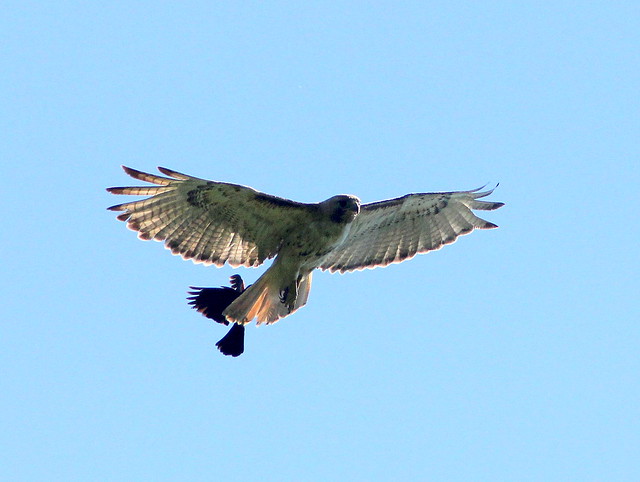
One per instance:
(233,342)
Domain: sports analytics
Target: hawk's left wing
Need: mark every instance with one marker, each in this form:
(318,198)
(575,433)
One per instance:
(397,229)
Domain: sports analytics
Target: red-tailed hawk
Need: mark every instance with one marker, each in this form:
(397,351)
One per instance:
(216,223)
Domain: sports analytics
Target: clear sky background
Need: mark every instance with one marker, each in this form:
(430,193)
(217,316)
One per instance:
(513,354)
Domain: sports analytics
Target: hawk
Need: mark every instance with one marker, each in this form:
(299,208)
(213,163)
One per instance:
(214,222)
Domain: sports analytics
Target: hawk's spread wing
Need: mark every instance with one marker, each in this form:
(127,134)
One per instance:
(210,222)
(397,229)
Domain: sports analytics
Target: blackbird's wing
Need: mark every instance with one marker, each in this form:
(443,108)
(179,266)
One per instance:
(211,302)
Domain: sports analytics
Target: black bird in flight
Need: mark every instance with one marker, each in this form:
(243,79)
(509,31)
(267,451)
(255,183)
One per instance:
(211,302)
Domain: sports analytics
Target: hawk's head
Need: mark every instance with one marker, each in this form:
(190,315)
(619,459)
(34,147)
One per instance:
(342,209)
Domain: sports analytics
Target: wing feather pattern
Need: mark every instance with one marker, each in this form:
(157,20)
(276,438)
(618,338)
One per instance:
(391,231)
(208,221)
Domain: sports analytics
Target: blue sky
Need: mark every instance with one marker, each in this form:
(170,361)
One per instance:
(510,355)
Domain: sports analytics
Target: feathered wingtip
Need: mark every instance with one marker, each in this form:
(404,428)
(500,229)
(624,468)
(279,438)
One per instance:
(162,185)
(150,178)
(175,174)
(147,177)
(237,283)
(484,205)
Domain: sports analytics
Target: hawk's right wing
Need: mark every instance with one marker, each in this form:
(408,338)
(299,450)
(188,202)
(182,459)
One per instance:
(208,221)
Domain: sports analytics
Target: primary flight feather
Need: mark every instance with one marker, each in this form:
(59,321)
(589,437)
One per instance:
(216,223)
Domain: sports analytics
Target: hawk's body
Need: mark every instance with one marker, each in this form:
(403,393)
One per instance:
(215,222)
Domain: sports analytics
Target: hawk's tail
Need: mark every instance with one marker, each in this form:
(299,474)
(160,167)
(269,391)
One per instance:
(269,299)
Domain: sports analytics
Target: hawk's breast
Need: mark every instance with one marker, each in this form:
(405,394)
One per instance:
(311,244)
